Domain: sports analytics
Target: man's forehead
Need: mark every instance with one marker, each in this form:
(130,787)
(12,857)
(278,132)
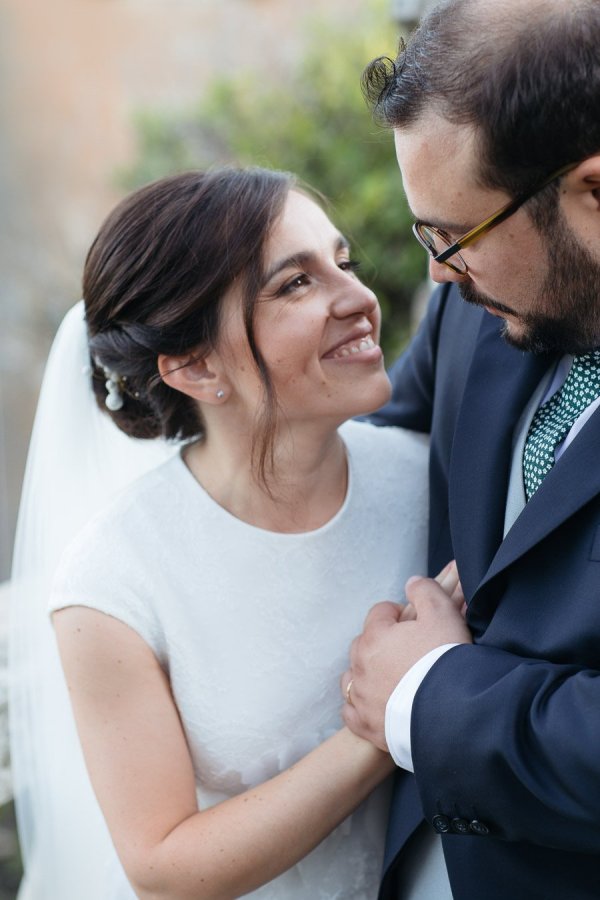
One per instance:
(434,143)
(439,165)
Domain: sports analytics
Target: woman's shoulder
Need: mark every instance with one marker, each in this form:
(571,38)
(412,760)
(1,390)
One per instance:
(115,561)
(130,519)
(389,479)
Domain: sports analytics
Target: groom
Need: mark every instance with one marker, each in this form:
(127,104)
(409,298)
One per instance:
(495,106)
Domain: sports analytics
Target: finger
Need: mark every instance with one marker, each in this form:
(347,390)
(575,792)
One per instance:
(350,718)
(445,571)
(354,651)
(384,614)
(408,613)
(429,599)
(344,679)
(345,682)
(448,577)
(457,596)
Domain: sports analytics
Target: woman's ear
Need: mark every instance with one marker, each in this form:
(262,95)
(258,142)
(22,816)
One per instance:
(199,377)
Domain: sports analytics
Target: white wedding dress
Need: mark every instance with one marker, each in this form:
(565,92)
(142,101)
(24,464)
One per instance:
(253,629)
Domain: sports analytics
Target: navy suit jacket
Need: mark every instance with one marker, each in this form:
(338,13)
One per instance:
(506,732)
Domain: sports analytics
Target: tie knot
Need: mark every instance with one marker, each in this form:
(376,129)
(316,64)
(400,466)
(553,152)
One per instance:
(589,360)
(556,417)
(583,380)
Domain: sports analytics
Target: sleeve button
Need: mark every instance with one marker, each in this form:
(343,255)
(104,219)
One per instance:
(459,826)
(441,824)
(478,827)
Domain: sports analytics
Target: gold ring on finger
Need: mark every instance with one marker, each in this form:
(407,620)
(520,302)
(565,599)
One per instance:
(348,689)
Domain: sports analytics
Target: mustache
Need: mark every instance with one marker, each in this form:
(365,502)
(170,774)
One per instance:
(470,295)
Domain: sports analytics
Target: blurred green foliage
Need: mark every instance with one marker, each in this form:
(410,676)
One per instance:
(314,123)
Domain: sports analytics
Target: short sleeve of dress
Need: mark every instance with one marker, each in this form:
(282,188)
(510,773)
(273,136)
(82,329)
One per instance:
(106,567)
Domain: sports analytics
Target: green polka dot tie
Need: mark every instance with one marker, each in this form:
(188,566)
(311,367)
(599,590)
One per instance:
(554,419)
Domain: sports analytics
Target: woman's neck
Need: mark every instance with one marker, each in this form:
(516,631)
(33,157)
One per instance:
(305,490)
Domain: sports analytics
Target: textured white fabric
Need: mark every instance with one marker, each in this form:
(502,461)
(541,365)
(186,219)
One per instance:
(253,627)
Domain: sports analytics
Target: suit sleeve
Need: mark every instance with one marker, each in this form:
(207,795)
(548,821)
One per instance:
(513,743)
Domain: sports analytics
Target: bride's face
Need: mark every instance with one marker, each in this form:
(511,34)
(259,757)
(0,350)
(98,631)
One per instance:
(316,325)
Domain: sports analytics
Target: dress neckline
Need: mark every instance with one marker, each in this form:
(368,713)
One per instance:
(193,487)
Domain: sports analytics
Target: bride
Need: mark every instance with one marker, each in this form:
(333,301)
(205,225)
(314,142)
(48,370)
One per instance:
(203,615)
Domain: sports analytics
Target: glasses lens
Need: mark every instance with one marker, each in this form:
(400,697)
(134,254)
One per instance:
(435,243)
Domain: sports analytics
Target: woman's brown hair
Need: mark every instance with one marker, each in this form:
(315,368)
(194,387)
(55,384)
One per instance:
(153,281)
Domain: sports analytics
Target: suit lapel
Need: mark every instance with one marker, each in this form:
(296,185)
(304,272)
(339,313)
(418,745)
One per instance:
(571,483)
(500,382)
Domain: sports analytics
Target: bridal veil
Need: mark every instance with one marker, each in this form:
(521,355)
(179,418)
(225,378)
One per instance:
(78,460)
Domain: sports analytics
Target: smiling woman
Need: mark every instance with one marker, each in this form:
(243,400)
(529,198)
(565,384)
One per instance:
(316,332)
(204,615)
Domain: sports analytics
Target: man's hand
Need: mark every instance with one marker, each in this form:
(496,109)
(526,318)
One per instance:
(393,639)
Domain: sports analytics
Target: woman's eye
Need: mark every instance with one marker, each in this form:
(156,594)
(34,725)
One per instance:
(294,284)
(349,265)
(303,279)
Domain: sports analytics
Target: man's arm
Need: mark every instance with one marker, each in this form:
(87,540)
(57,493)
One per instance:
(513,742)
(509,741)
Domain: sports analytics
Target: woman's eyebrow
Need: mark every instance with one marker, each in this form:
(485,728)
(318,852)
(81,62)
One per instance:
(301,259)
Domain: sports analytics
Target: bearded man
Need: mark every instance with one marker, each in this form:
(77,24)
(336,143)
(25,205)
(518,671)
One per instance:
(495,112)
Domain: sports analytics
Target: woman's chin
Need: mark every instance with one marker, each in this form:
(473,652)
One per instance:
(374,399)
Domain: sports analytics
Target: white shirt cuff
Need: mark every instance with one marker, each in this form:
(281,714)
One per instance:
(398,711)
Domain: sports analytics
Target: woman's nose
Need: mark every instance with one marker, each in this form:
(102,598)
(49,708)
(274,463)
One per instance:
(354,297)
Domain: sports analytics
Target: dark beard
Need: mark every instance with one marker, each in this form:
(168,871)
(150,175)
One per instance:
(571,292)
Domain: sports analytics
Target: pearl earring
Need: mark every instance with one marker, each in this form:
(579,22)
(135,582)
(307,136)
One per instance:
(220,394)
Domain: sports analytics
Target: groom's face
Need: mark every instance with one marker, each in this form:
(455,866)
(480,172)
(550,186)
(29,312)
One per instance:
(546,287)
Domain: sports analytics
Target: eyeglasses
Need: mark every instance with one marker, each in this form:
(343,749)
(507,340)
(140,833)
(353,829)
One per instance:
(444,251)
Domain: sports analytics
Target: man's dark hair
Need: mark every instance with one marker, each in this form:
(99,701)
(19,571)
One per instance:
(527,76)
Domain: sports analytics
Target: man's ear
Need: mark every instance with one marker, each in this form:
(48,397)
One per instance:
(199,377)
(585,180)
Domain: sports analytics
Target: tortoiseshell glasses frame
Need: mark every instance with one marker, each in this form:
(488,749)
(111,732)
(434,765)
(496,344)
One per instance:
(442,250)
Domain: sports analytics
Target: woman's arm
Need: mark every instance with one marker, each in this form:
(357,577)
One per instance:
(141,770)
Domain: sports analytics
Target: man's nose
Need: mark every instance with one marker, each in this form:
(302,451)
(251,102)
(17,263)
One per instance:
(442,273)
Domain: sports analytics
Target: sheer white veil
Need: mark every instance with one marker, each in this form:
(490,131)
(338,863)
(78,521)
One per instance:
(78,460)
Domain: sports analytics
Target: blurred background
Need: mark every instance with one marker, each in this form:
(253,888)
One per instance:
(99,96)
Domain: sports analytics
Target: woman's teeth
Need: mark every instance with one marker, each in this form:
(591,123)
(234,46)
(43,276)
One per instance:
(349,349)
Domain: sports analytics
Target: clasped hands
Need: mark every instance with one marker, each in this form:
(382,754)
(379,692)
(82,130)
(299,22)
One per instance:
(394,637)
